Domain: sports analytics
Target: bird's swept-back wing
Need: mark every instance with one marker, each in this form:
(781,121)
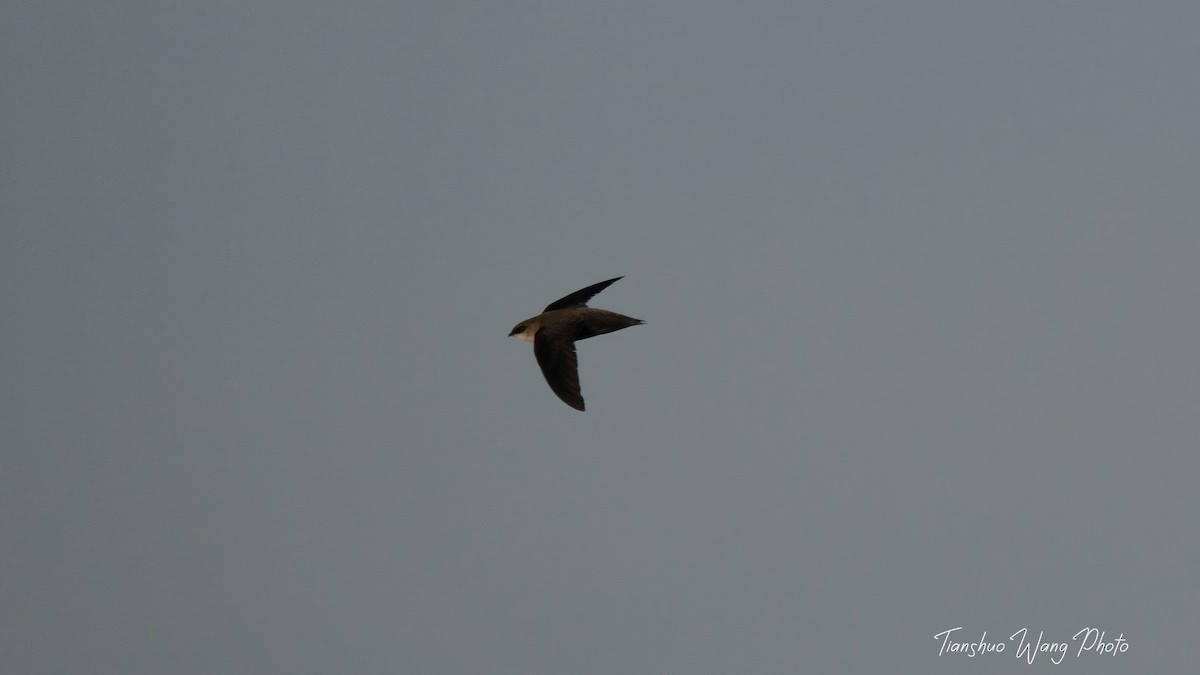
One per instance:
(579,298)
(555,354)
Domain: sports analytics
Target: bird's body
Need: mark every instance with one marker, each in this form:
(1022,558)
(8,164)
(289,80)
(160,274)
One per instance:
(555,331)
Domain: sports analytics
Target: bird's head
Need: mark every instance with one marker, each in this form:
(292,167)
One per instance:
(524,330)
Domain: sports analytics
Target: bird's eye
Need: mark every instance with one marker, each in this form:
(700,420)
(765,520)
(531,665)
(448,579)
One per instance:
(520,329)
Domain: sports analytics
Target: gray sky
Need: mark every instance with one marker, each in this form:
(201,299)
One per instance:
(920,282)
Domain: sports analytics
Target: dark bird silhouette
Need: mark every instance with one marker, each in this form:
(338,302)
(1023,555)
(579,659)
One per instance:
(555,331)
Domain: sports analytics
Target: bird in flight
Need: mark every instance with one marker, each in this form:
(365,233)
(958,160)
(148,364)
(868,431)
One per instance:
(554,332)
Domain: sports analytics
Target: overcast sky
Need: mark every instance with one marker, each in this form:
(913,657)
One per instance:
(920,283)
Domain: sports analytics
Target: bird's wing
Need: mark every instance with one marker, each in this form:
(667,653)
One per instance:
(579,298)
(555,352)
